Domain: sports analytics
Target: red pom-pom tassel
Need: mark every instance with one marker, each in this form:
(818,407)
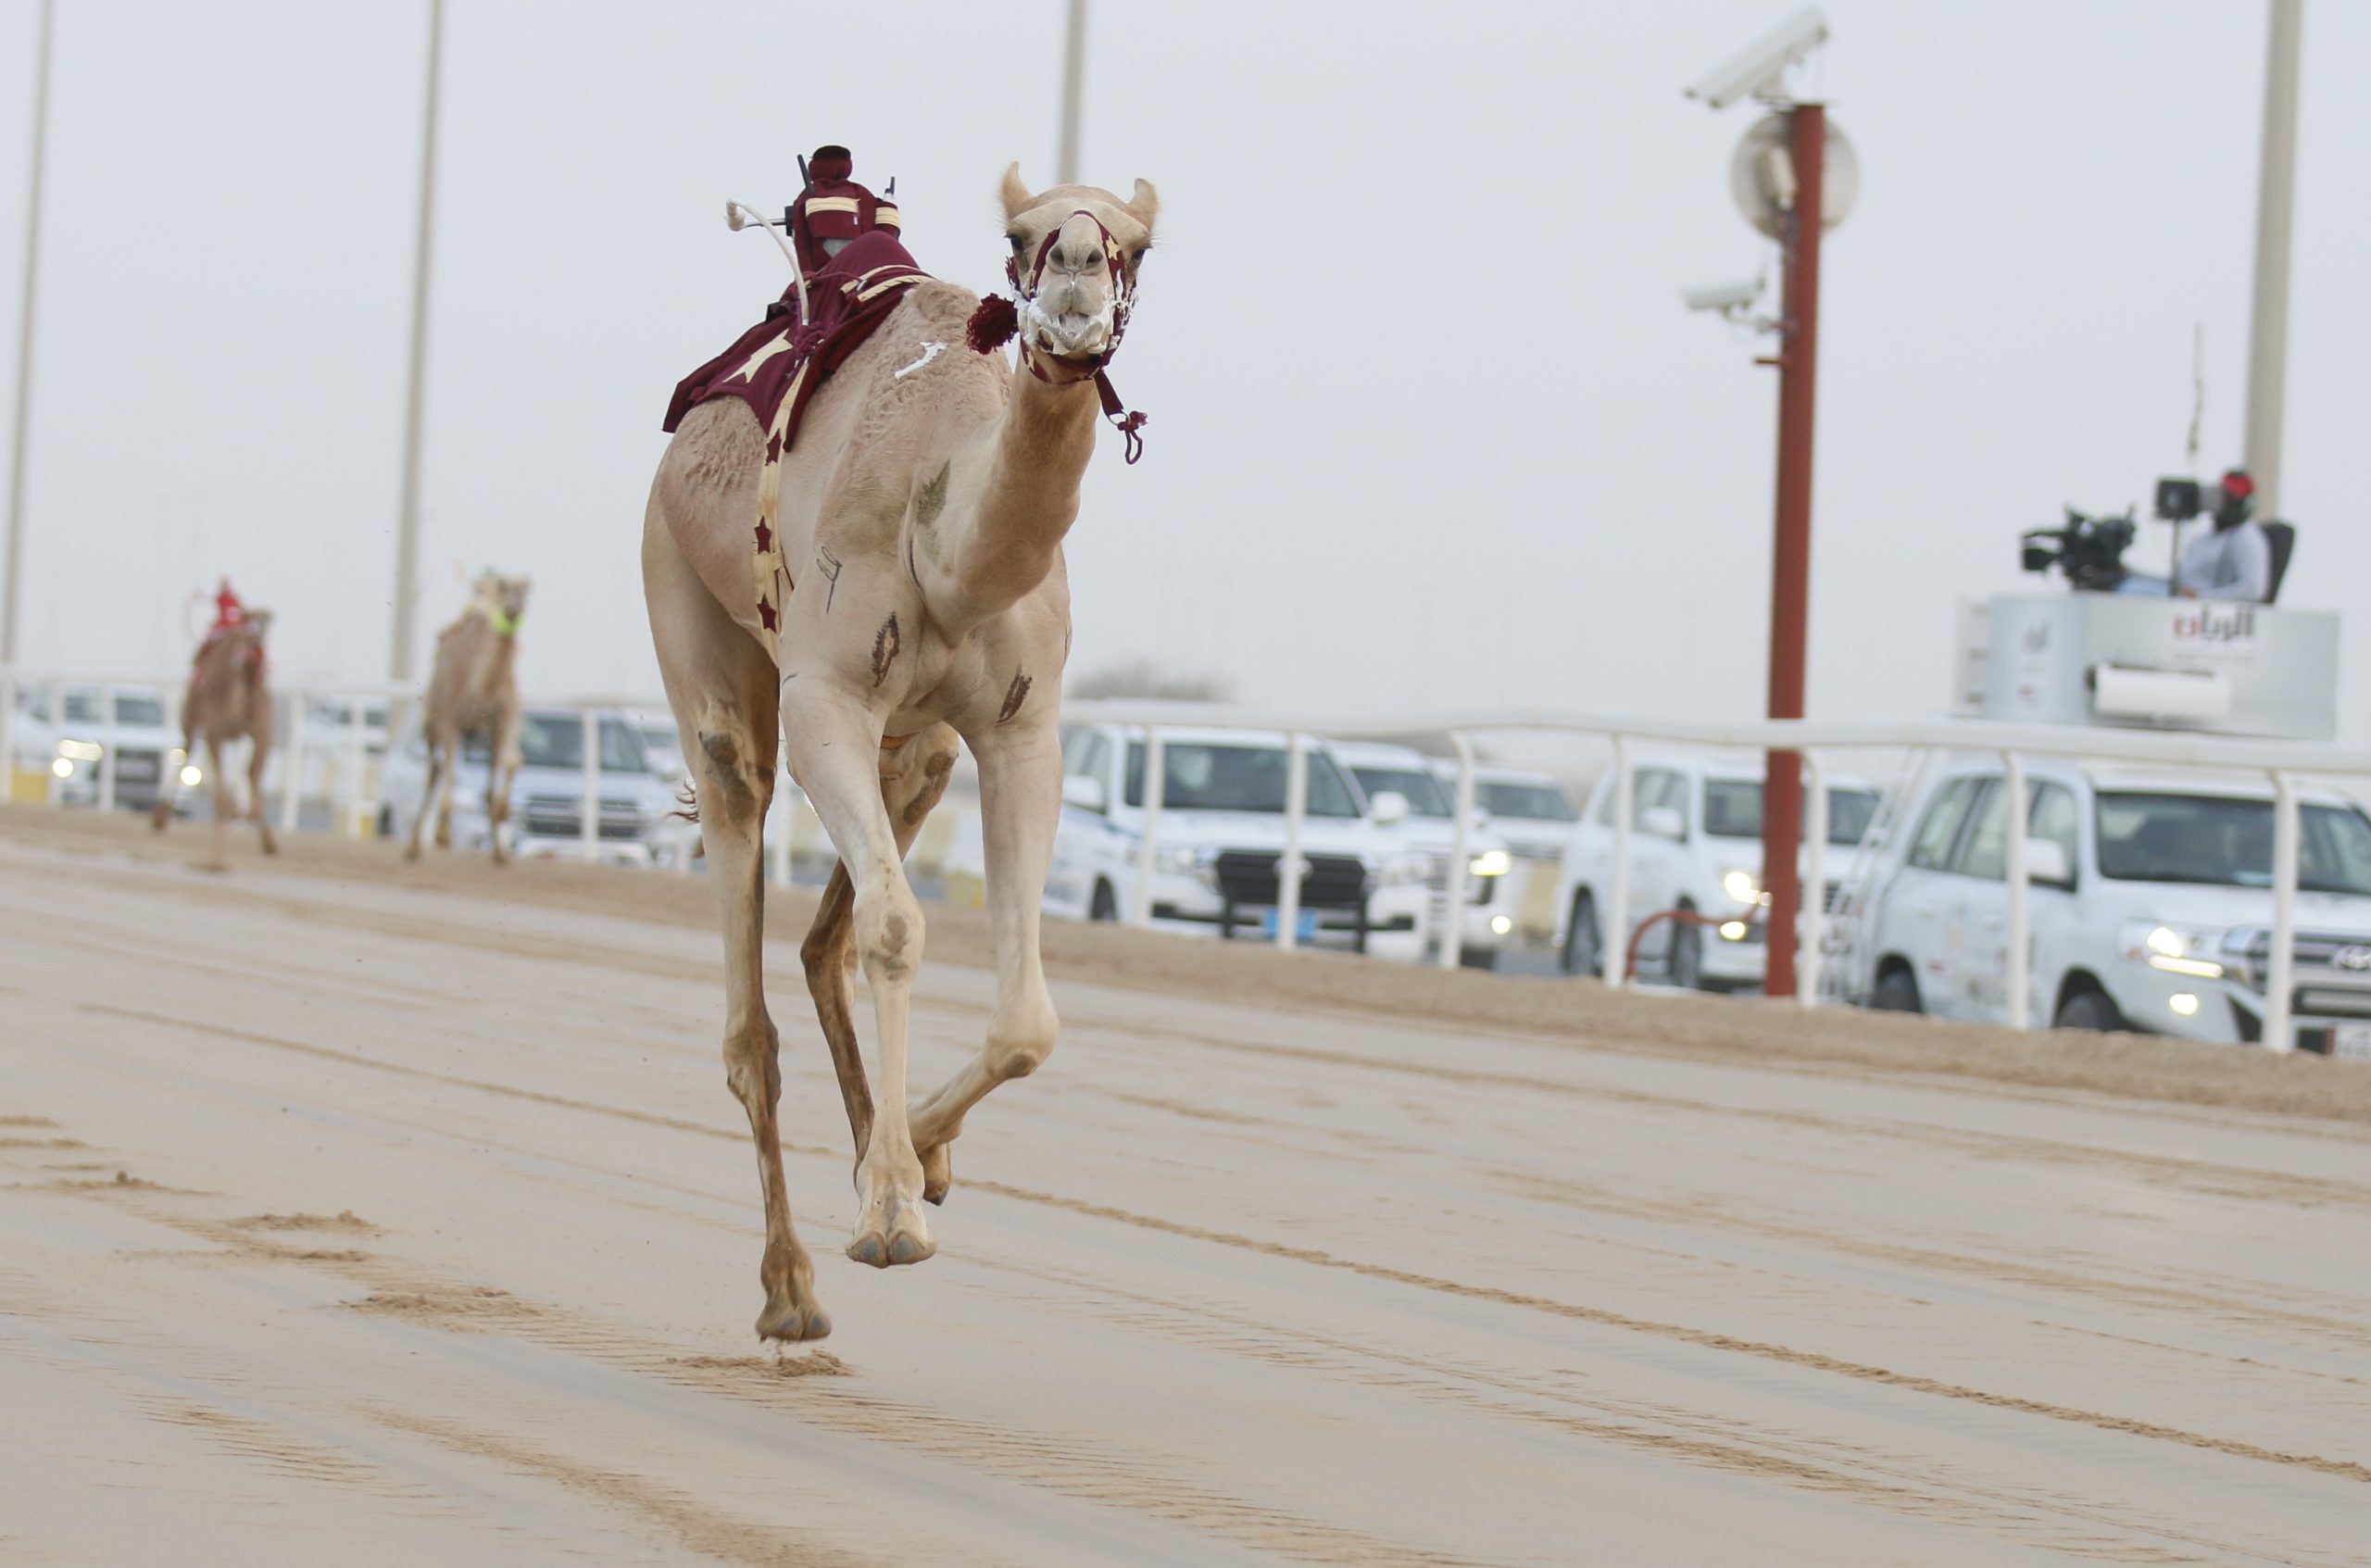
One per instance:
(992,325)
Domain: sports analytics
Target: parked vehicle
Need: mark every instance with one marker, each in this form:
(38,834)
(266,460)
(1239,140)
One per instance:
(1220,839)
(1425,821)
(73,750)
(1695,846)
(2149,906)
(548,793)
(1530,811)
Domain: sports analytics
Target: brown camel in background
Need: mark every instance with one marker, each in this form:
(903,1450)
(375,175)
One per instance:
(922,512)
(473,694)
(230,695)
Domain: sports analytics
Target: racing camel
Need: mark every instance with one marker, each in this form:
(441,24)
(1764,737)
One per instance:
(920,517)
(229,696)
(474,692)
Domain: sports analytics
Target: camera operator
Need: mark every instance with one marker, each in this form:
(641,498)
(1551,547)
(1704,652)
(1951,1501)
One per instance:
(2232,561)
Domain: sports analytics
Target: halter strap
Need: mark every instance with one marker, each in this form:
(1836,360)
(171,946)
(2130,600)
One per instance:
(1123,302)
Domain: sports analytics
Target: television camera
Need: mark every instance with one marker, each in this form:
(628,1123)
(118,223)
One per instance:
(2088,549)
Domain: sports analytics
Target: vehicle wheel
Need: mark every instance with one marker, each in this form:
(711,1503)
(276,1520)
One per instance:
(386,822)
(2089,1010)
(1580,954)
(1686,966)
(1105,906)
(1897,992)
(1487,959)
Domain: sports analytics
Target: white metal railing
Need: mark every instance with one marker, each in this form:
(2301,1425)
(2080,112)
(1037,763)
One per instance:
(2279,760)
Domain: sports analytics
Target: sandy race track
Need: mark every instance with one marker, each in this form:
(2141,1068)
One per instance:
(363,1214)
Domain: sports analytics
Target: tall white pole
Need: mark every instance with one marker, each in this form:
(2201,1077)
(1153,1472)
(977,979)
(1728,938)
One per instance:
(1074,86)
(8,593)
(2268,322)
(402,655)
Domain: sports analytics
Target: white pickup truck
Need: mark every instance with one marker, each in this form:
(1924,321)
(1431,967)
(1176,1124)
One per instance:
(1220,840)
(1424,819)
(2150,907)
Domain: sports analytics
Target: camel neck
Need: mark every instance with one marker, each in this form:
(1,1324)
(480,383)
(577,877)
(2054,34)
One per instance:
(1038,458)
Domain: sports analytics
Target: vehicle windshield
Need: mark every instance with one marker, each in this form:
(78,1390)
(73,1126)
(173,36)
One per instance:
(1527,802)
(557,740)
(2227,843)
(1733,809)
(1423,791)
(89,708)
(1197,777)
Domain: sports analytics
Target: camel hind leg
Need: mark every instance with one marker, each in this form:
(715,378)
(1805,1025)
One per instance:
(720,685)
(437,772)
(913,778)
(223,804)
(168,787)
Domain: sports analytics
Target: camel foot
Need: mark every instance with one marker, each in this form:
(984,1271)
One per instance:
(891,1234)
(411,850)
(270,845)
(939,1171)
(795,1323)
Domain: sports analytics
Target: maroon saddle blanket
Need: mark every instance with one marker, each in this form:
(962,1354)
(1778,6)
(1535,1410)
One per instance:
(785,358)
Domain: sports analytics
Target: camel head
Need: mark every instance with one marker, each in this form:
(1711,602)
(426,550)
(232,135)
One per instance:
(255,625)
(505,599)
(1075,252)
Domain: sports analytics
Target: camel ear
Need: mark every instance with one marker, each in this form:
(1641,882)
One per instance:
(1145,206)
(1018,198)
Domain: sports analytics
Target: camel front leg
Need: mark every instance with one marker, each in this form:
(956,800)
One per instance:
(259,750)
(913,777)
(168,787)
(1021,806)
(834,747)
(436,775)
(502,769)
(223,804)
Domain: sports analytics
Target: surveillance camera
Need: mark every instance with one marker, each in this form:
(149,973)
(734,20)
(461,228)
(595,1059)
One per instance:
(1723,297)
(1755,70)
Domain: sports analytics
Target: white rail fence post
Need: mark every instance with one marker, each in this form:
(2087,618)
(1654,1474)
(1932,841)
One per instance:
(1811,953)
(1156,791)
(107,747)
(2280,971)
(354,812)
(2017,954)
(588,818)
(57,727)
(778,850)
(1613,930)
(1288,867)
(8,735)
(292,757)
(1461,854)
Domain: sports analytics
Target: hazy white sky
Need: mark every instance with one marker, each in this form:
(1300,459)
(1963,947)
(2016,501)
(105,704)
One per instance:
(1429,426)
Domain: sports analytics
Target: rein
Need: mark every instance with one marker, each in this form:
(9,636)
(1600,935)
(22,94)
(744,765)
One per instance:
(998,319)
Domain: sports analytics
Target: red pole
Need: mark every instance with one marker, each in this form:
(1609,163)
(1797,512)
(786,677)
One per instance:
(1791,560)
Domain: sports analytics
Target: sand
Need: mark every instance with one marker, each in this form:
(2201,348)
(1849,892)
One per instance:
(361,1213)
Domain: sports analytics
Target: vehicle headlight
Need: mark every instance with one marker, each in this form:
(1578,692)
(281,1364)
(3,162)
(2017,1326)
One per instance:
(2193,950)
(1742,885)
(62,766)
(1180,858)
(192,775)
(1402,869)
(1492,862)
(81,750)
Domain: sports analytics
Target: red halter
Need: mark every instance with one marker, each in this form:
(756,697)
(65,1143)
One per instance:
(998,319)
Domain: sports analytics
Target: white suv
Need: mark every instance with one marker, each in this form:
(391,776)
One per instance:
(1217,847)
(1425,820)
(2151,906)
(1695,845)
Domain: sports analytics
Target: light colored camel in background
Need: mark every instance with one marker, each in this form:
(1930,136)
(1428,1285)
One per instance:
(922,513)
(474,692)
(229,696)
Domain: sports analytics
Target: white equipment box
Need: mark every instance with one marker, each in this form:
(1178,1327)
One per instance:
(2155,663)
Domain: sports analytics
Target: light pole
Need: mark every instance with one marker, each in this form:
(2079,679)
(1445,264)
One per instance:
(9,584)
(1780,176)
(25,348)
(2268,322)
(401,660)
(1074,87)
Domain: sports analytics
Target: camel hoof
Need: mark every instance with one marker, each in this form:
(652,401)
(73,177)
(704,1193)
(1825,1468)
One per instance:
(938,1172)
(904,1240)
(411,851)
(270,847)
(795,1325)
